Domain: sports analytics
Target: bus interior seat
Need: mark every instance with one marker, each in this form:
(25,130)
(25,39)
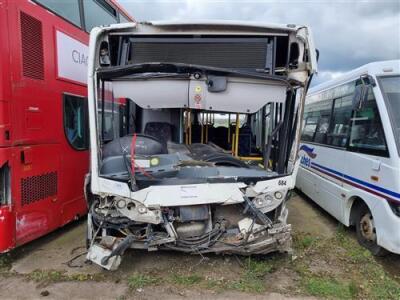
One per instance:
(160,130)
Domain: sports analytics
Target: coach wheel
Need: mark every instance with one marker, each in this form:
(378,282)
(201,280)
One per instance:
(366,232)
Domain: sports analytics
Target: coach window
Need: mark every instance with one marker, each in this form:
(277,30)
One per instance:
(69,10)
(75,121)
(366,134)
(310,125)
(339,130)
(324,110)
(98,12)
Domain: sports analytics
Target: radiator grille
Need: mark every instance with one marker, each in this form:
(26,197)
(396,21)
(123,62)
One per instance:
(35,188)
(223,55)
(32,47)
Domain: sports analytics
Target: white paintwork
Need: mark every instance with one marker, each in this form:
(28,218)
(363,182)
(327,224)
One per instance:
(190,194)
(336,196)
(173,93)
(72,58)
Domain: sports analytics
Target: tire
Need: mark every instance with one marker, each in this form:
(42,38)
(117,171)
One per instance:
(366,231)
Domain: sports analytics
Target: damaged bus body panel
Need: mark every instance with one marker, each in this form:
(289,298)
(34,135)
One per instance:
(194,133)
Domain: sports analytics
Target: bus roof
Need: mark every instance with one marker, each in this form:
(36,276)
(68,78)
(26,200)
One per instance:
(250,24)
(387,67)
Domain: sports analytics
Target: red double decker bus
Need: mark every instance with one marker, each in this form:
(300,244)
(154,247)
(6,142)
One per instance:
(43,112)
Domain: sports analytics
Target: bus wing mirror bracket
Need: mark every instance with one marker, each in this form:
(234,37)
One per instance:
(361,91)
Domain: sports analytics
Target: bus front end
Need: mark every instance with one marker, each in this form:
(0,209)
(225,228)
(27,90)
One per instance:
(194,132)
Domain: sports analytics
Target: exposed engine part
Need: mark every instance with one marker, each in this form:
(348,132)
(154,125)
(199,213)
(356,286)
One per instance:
(190,229)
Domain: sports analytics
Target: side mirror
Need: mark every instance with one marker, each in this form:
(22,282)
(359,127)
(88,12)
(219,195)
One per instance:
(216,84)
(360,96)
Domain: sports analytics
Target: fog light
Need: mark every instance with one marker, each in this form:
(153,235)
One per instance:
(121,204)
(278,195)
(142,210)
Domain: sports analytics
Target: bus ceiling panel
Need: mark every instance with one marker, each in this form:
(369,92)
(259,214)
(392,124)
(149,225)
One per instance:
(156,93)
(241,97)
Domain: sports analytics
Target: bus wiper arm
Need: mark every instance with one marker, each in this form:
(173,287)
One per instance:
(181,68)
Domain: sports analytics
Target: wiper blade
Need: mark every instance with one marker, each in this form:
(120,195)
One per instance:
(107,73)
(149,75)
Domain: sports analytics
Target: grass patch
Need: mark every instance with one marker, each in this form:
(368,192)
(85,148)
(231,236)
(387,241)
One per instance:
(186,280)
(303,241)
(329,288)
(47,276)
(137,281)
(252,279)
(50,276)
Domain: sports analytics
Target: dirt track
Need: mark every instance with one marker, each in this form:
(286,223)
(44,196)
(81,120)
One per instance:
(40,267)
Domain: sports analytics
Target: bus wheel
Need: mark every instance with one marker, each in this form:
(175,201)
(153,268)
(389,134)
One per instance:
(366,232)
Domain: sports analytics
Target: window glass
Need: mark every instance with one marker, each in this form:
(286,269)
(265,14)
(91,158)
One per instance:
(316,121)
(322,129)
(75,121)
(122,19)
(391,91)
(339,130)
(98,13)
(310,125)
(366,130)
(68,9)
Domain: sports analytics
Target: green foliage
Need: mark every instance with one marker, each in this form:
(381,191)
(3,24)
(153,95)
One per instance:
(136,281)
(47,276)
(186,280)
(329,288)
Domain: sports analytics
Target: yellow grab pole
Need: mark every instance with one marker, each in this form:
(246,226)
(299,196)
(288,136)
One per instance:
(190,126)
(233,144)
(237,136)
(229,128)
(186,128)
(202,128)
(206,128)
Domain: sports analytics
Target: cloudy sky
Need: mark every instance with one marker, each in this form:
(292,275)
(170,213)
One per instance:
(348,33)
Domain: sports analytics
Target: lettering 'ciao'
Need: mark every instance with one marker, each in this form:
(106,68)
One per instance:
(79,58)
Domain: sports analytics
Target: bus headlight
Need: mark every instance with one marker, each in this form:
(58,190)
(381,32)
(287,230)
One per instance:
(268,202)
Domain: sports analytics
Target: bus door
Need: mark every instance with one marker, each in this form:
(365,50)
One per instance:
(332,132)
(368,156)
(35,185)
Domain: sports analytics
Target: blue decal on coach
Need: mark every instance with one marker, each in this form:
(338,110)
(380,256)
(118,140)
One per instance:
(304,160)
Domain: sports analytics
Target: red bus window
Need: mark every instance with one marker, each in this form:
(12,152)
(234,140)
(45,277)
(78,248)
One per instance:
(98,12)
(68,9)
(75,121)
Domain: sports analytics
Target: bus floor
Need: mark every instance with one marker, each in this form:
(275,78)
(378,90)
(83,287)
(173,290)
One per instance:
(41,267)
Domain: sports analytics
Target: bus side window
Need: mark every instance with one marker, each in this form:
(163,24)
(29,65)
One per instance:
(69,10)
(98,12)
(310,125)
(367,134)
(339,130)
(76,122)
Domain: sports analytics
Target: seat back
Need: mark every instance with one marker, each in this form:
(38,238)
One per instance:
(160,130)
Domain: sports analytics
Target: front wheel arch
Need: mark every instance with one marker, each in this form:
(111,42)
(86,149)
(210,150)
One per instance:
(359,211)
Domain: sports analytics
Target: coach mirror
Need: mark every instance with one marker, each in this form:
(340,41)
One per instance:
(361,91)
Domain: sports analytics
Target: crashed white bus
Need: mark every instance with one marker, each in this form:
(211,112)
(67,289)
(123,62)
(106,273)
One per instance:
(204,151)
